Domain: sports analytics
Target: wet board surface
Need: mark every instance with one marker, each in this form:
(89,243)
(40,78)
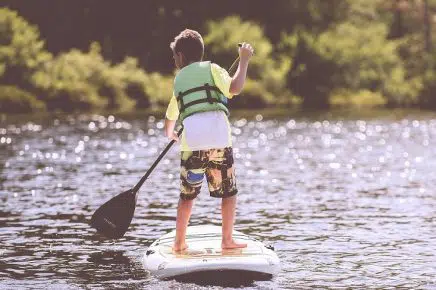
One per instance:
(204,253)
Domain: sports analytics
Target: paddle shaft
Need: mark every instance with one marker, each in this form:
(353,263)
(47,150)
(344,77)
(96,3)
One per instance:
(147,174)
(233,64)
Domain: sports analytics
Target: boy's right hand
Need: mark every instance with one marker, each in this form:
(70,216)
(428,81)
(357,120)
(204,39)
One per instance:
(174,136)
(246,51)
(169,130)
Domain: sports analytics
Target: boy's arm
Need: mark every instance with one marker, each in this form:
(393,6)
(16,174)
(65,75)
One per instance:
(238,80)
(169,129)
(172,115)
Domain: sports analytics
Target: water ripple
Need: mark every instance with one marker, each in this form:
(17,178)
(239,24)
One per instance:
(347,202)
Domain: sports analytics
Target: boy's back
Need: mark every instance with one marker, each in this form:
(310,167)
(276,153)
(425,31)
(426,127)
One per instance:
(203,129)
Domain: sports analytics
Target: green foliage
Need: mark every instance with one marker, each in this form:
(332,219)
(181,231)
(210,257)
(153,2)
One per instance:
(223,36)
(21,50)
(15,100)
(354,55)
(312,74)
(159,89)
(366,98)
(339,52)
(428,90)
(147,89)
(74,80)
(71,81)
(268,72)
(363,56)
(85,80)
(133,81)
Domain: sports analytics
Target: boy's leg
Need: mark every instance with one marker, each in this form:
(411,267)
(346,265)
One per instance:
(228,207)
(191,177)
(222,184)
(184,210)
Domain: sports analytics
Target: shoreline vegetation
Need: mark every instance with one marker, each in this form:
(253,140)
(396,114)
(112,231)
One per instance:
(360,56)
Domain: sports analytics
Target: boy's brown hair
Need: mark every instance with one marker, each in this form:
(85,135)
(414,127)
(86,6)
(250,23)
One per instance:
(190,44)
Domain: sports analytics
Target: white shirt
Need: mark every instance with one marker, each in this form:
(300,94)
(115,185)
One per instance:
(207,130)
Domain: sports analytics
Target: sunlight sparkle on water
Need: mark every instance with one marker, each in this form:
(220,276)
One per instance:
(360,190)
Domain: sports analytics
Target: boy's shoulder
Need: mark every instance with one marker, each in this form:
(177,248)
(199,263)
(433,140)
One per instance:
(218,71)
(215,65)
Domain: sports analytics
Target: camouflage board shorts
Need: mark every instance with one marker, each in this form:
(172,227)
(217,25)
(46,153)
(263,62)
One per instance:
(217,164)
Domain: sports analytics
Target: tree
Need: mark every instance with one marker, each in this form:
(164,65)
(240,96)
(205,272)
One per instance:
(353,55)
(21,49)
(266,82)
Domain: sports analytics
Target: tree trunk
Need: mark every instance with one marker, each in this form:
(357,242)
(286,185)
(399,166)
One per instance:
(427,27)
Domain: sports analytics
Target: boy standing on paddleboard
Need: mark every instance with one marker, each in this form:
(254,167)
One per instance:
(201,90)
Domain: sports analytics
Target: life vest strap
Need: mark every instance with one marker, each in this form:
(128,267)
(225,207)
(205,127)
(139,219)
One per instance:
(209,99)
(206,88)
(196,102)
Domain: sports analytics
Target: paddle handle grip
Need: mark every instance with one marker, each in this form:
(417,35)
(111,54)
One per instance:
(147,174)
(234,63)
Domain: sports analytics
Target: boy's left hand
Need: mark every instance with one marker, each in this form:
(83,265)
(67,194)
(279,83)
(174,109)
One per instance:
(246,51)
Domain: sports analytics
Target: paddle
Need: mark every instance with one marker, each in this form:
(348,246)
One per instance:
(113,218)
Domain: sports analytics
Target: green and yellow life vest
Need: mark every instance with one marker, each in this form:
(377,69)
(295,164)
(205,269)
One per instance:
(196,92)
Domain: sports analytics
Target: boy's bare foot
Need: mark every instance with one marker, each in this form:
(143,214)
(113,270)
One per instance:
(179,247)
(232,245)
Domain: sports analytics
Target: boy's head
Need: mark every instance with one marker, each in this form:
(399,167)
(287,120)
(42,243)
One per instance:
(187,47)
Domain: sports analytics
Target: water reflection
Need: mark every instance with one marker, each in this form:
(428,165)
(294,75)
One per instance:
(347,202)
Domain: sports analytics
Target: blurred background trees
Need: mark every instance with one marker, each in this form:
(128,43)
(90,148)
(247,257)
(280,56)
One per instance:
(78,56)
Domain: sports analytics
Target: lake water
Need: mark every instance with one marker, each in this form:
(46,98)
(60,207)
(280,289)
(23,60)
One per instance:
(348,201)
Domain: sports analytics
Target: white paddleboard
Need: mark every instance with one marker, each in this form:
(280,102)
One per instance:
(205,255)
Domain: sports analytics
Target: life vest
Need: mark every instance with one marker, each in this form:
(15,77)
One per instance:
(196,92)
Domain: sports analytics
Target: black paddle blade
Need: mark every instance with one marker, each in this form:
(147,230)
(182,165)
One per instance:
(113,218)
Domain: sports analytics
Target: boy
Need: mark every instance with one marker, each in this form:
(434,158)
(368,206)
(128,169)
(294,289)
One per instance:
(201,90)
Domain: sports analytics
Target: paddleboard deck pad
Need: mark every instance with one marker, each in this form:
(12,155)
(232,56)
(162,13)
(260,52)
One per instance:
(205,256)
